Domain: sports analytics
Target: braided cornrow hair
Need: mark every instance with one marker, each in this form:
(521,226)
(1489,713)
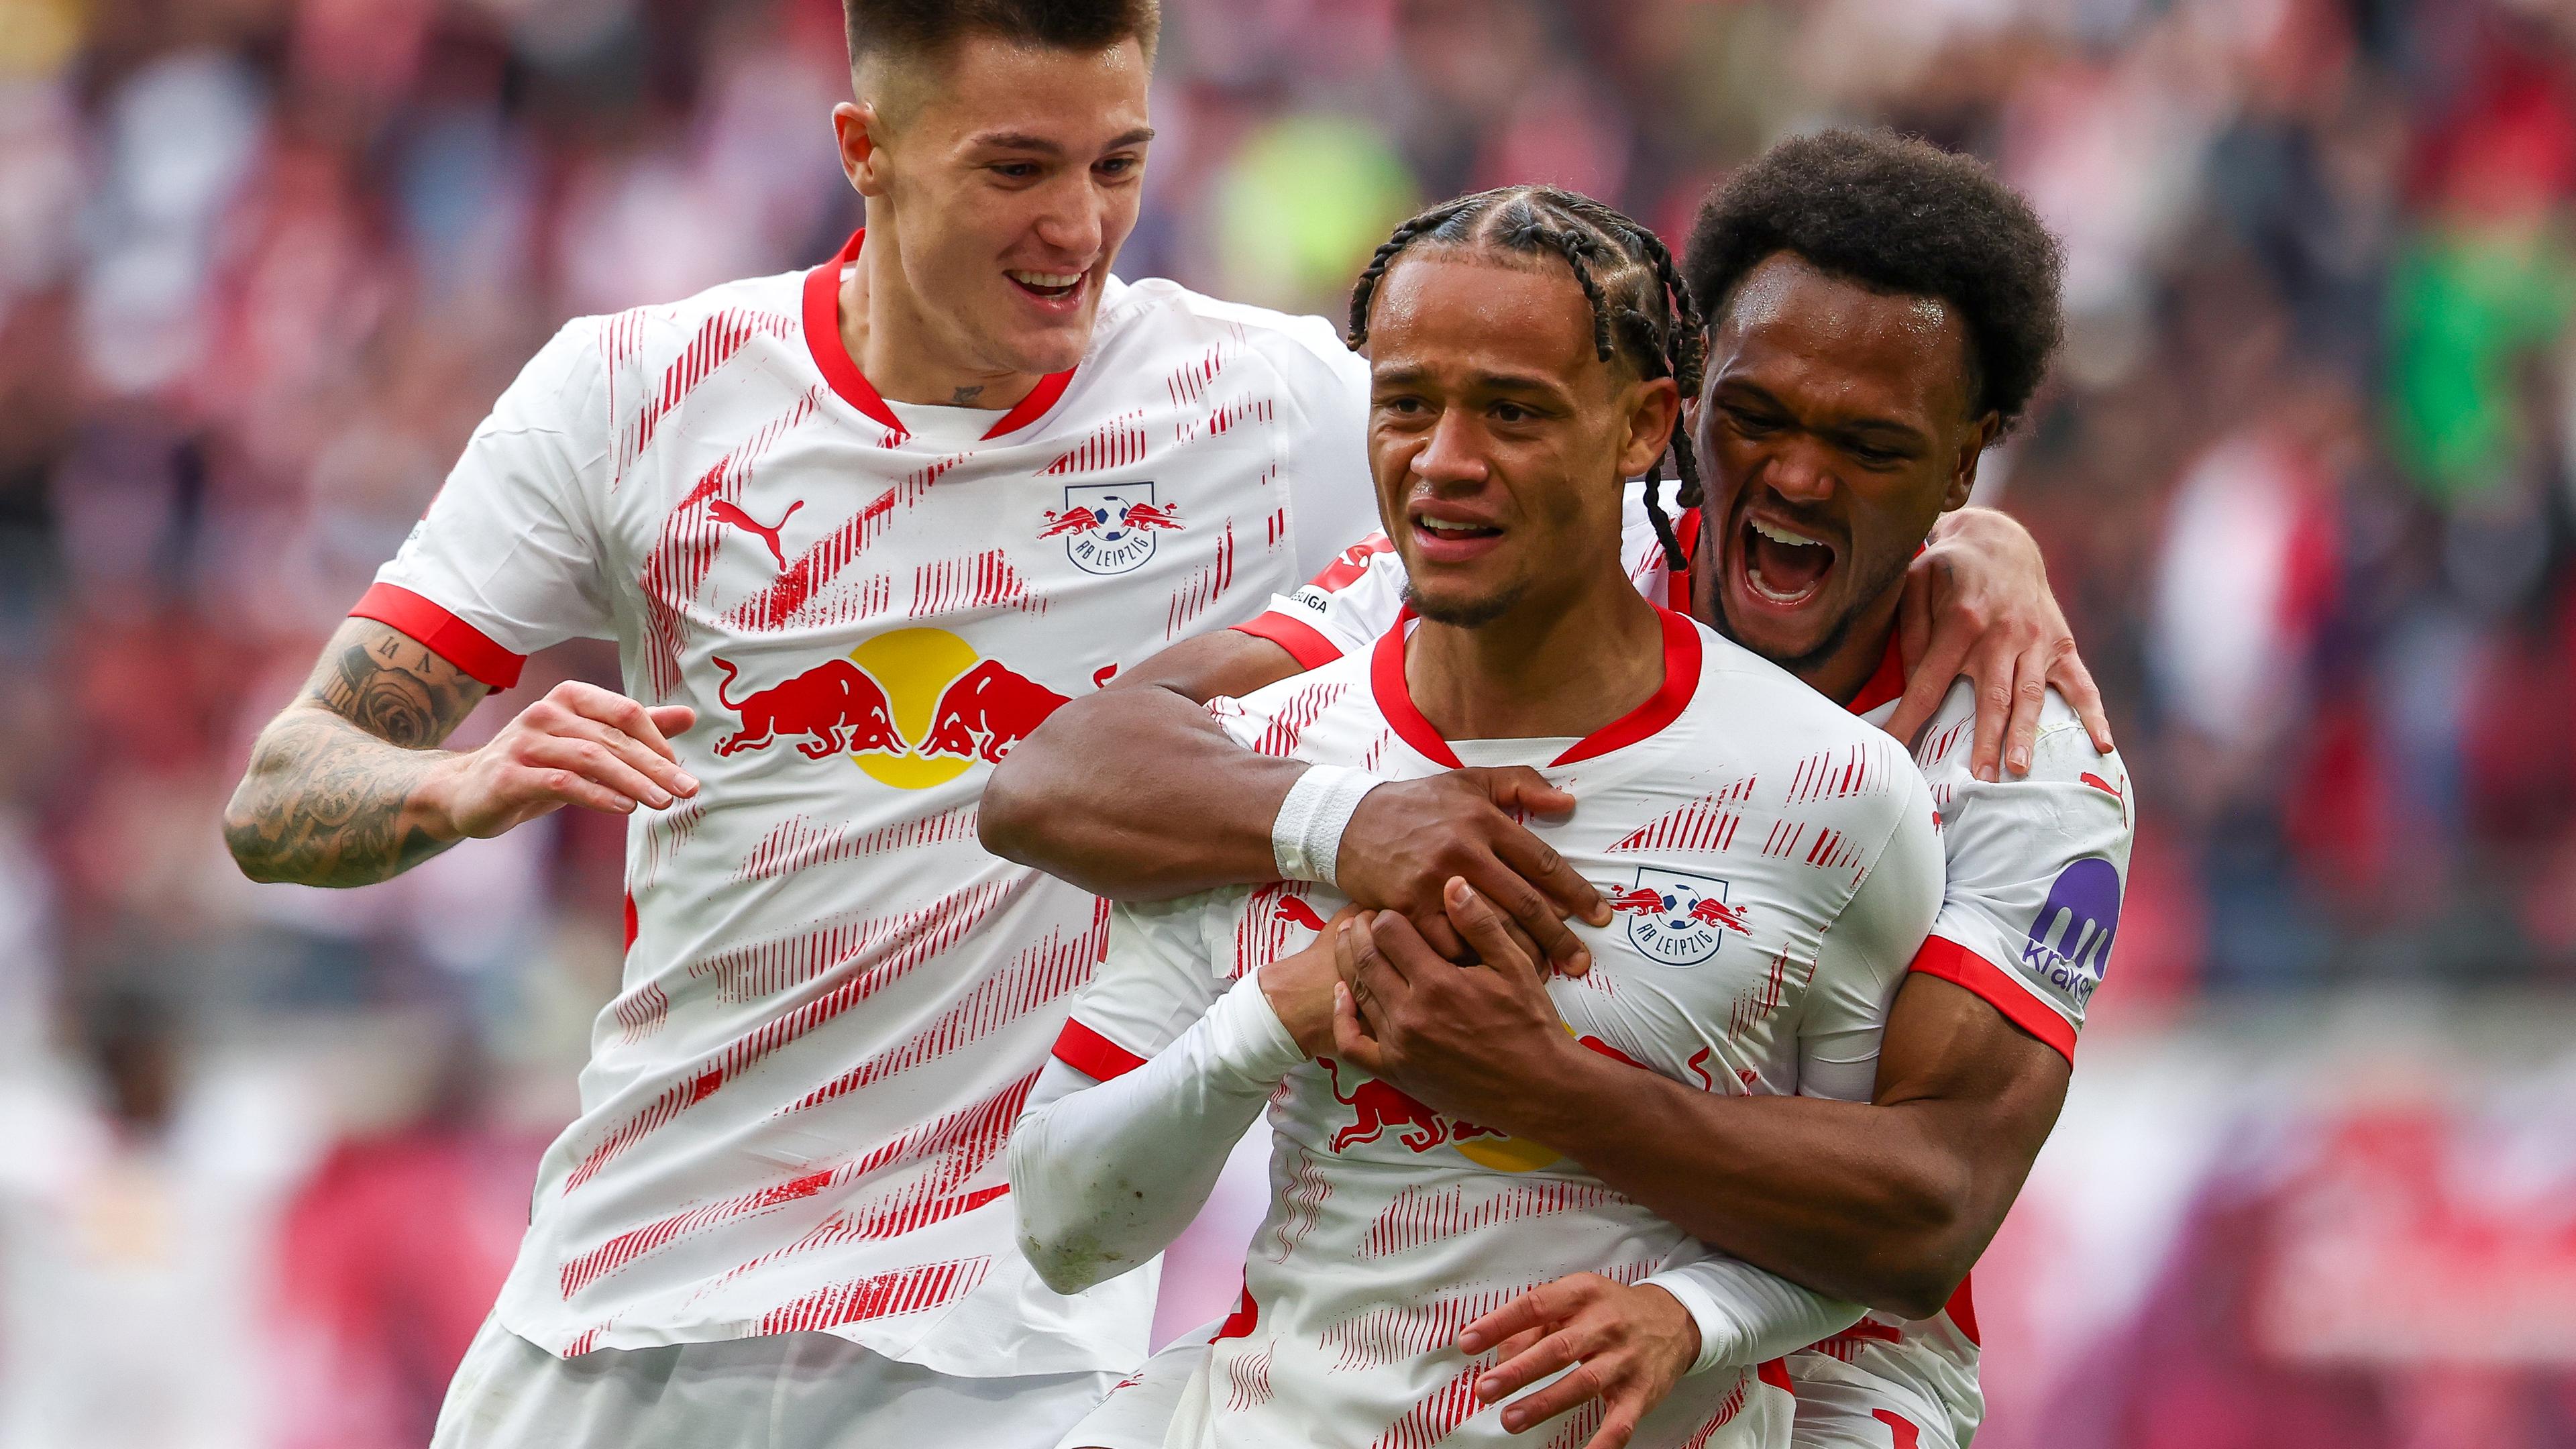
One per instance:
(1641,307)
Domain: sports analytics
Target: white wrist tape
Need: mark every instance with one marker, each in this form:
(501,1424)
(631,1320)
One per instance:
(1306,839)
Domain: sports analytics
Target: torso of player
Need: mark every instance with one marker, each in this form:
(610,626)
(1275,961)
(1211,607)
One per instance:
(834,1000)
(1727,842)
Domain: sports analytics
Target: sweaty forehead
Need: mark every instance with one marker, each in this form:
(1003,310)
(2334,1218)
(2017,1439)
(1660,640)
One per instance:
(1500,310)
(1790,324)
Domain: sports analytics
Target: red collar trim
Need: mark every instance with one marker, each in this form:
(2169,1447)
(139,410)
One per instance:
(1885,683)
(832,356)
(1681,681)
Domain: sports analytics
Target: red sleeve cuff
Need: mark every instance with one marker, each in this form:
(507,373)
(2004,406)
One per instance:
(1092,1054)
(1303,641)
(1960,966)
(447,636)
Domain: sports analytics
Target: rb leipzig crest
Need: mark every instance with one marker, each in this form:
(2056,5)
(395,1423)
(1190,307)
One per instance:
(1109,528)
(1676,919)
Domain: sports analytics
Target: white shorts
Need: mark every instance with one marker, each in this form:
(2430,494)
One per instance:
(783,1391)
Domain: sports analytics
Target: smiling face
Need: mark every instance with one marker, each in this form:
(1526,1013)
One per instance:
(1006,176)
(1497,435)
(1835,429)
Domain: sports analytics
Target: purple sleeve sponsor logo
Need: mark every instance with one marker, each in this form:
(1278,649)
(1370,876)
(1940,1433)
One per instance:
(2070,939)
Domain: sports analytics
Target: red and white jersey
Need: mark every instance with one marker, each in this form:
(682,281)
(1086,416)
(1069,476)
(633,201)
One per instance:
(2035,869)
(1773,866)
(834,1000)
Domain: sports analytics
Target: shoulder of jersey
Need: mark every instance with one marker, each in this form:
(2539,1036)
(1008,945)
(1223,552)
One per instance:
(1275,718)
(1170,313)
(2062,755)
(1782,729)
(708,323)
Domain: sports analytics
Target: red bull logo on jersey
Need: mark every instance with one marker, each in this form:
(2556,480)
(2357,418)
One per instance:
(1378,1108)
(1676,919)
(912,708)
(1109,528)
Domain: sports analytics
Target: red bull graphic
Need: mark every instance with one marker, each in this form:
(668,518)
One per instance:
(912,708)
(1677,919)
(835,705)
(986,711)
(1379,1107)
(1109,528)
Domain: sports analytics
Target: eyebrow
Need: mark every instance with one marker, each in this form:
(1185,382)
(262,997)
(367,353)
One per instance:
(1026,141)
(1489,381)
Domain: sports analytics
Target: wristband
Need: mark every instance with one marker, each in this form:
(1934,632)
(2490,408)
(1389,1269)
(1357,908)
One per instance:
(1306,839)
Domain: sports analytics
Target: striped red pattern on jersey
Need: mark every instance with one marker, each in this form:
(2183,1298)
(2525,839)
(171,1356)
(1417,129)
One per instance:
(797,843)
(1273,913)
(1440,1412)
(1833,850)
(641,1012)
(1295,713)
(1117,443)
(1580,1426)
(1751,1008)
(1783,838)
(664,834)
(894,944)
(906,942)
(1301,1205)
(1248,1380)
(1053,968)
(971,1134)
(1420,1215)
(1707,823)
(675,568)
(777,606)
(979,581)
(1227,418)
(907,1290)
(718,339)
(1727,1409)
(1937,746)
(1205,586)
(1853,770)
(1189,382)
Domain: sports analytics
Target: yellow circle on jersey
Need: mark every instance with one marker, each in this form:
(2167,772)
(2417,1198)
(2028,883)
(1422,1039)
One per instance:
(914,667)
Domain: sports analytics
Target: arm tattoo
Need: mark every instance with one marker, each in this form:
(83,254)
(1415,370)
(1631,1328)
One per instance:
(327,798)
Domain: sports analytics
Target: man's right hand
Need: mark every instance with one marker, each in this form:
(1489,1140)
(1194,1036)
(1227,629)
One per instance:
(1409,838)
(579,745)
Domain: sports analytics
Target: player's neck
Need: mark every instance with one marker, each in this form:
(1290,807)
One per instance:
(1838,671)
(1563,664)
(901,352)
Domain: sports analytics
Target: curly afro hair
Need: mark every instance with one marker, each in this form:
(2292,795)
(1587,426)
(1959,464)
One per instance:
(1903,216)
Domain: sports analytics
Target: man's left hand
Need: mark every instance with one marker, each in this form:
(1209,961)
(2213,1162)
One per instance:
(1468,1042)
(1626,1346)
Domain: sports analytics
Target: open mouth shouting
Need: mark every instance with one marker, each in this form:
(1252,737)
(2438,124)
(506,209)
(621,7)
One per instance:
(1780,567)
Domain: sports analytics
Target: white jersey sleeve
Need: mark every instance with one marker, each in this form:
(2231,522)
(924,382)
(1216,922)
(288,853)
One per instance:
(1864,955)
(1325,466)
(2037,865)
(508,558)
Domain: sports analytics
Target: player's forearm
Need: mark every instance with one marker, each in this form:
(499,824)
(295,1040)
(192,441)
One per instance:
(1867,1203)
(1135,794)
(1107,1176)
(325,803)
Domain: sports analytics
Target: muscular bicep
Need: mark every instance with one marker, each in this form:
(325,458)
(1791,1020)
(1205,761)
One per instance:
(1993,1088)
(391,685)
(1226,662)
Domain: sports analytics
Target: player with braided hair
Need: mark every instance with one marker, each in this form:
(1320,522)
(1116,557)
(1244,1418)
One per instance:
(1641,307)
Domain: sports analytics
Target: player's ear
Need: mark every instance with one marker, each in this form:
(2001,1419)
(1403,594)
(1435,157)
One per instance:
(1654,406)
(856,125)
(1972,447)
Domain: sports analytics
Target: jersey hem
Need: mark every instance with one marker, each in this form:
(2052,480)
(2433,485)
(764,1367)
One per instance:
(1956,964)
(1304,642)
(444,634)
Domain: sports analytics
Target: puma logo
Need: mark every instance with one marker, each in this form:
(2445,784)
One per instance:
(725,512)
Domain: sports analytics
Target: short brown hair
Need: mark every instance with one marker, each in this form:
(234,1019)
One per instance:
(926,27)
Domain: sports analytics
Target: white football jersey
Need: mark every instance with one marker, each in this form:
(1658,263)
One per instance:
(2036,866)
(1773,866)
(835,1002)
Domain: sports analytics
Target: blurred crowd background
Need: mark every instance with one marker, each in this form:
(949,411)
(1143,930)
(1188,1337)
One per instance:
(2306,477)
